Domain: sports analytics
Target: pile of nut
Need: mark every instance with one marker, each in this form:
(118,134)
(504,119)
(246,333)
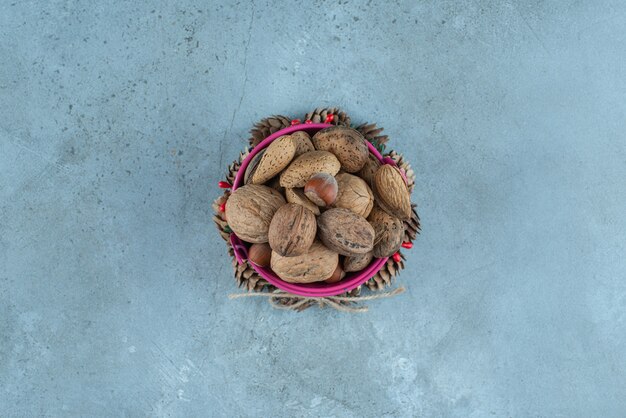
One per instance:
(316,208)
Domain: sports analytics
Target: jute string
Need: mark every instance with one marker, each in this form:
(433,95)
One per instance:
(301,302)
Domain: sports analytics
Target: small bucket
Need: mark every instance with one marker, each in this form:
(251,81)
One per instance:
(318,289)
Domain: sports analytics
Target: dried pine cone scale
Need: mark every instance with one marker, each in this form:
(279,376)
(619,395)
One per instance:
(412,226)
(247,277)
(373,134)
(386,275)
(234,167)
(320,114)
(404,164)
(266,127)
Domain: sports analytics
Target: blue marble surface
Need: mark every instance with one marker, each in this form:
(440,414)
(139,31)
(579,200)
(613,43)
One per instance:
(117,119)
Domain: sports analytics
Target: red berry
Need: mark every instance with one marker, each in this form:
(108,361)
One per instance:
(308,121)
(223,207)
(397,258)
(295,122)
(224,185)
(329,118)
(408,245)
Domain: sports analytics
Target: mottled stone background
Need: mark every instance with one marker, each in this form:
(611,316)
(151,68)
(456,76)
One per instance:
(117,119)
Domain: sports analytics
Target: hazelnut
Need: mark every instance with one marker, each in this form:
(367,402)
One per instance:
(338,274)
(260,254)
(321,189)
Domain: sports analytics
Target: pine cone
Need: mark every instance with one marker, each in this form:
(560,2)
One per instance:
(319,116)
(266,127)
(221,227)
(386,275)
(219,217)
(234,167)
(404,164)
(372,133)
(246,276)
(412,226)
(354,292)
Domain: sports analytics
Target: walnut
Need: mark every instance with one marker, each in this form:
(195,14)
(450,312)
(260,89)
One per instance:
(250,209)
(345,232)
(317,264)
(354,194)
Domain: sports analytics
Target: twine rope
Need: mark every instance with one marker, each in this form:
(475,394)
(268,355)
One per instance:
(301,302)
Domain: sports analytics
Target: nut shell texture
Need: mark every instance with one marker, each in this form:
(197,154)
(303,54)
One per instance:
(337,275)
(354,194)
(369,169)
(357,262)
(297,196)
(391,192)
(292,230)
(303,167)
(345,232)
(315,265)
(303,143)
(346,143)
(260,254)
(276,157)
(250,210)
(389,233)
(254,163)
(321,189)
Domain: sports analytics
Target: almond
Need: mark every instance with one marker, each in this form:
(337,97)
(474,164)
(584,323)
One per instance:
(276,157)
(304,166)
(303,143)
(391,192)
(254,163)
(347,144)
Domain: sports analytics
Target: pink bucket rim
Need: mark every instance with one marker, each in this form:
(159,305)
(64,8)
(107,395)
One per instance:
(352,280)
